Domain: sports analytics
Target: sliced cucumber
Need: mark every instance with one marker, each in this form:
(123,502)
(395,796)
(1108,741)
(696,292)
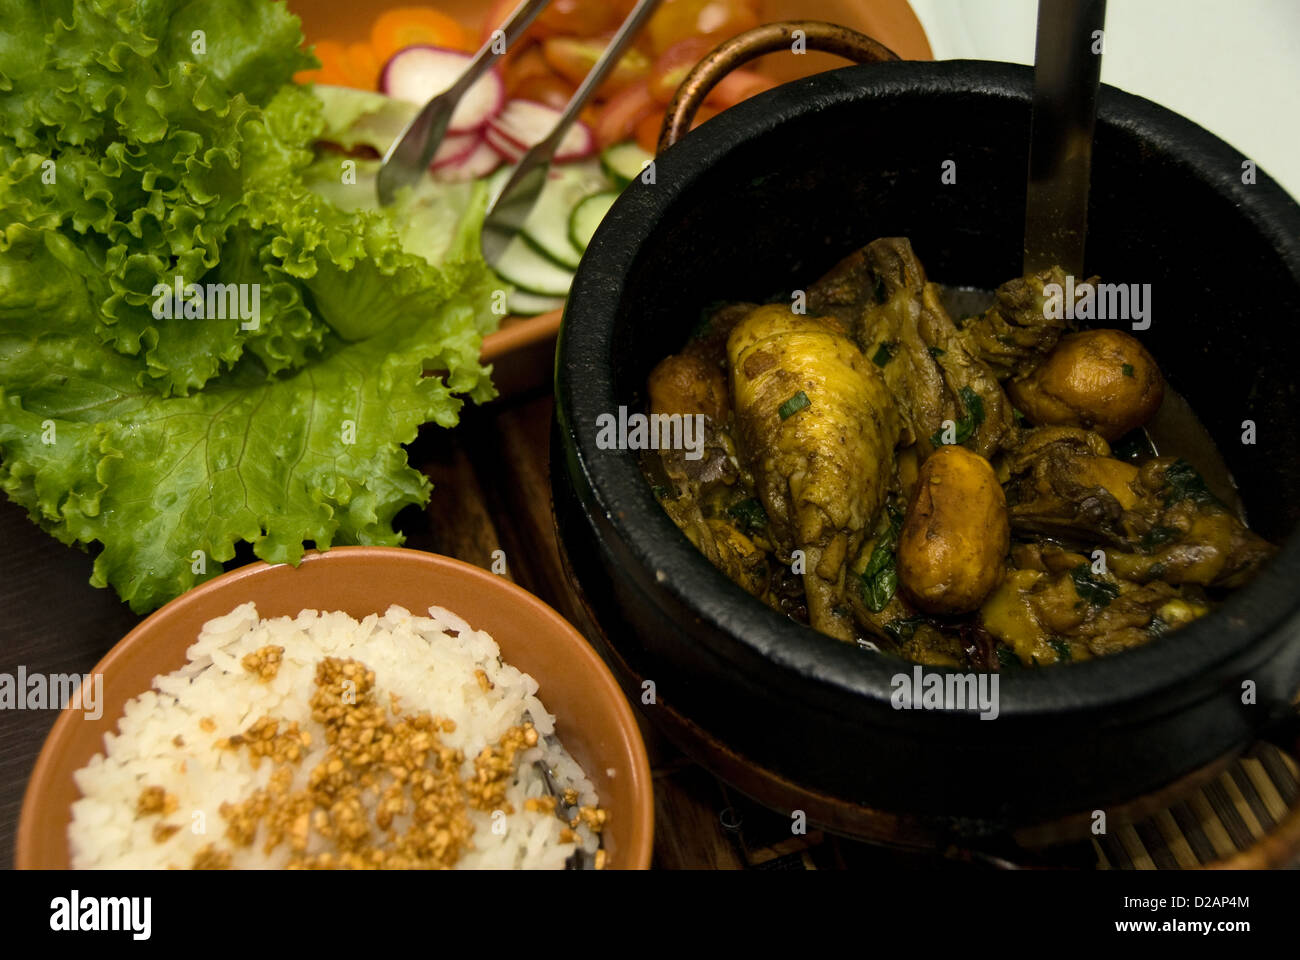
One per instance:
(523,304)
(587,215)
(497,182)
(531,271)
(624,162)
(547,227)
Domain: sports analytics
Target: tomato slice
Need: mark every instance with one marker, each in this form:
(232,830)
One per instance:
(497,14)
(647,132)
(737,86)
(573,58)
(671,67)
(577,18)
(677,20)
(528,64)
(547,88)
(619,117)
(704,113)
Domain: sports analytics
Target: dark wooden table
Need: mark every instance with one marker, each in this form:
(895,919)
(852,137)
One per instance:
(492,492)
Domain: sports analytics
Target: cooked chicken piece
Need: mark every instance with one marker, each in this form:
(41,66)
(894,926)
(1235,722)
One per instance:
(934,648)
(1052,607)
(853,294)
(723,543)
(1015,334)
(1160,521)
(739,556)
(928,365)
(816,426)
(1063,483)
(688,383)
(1179,532)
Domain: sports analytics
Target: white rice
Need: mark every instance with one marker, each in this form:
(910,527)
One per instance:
(416,658)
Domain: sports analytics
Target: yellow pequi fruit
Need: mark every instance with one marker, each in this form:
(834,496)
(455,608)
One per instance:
(955,534)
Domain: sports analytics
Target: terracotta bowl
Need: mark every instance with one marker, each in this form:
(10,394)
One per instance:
(592,716)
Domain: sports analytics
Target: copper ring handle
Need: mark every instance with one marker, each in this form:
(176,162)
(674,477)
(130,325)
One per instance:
(769,38)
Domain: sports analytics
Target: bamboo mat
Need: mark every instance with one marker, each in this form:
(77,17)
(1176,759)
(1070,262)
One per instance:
(1224,816)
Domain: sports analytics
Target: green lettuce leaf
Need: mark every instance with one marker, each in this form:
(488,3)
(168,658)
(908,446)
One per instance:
(132,155)
(130,132)
(360,118)
(169,485)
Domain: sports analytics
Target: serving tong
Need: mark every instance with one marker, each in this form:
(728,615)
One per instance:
(1067,74)
(580,859)
(410,154)
(567,812)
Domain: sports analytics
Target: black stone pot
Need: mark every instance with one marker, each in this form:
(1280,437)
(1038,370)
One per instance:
(762,200)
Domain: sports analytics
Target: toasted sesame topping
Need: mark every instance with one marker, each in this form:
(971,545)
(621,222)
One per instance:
(155,800)
(163,831)
(540,804)
(594,817)
(388,792)
(211,858)
(265,662)
(264,739)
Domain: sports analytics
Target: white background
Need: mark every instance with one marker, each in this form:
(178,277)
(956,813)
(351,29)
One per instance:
(1233,66)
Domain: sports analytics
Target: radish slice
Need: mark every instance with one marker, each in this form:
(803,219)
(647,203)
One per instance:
(509,151)
(578,144)
(525,123)
(419,73)
(481,161)
(455,147)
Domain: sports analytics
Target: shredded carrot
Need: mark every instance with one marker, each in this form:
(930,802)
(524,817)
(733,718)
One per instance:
(333,57)
(363,66)
(409,26)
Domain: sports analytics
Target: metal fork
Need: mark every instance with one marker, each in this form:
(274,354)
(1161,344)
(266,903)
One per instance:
(579,859)
(410,154)
(506,216)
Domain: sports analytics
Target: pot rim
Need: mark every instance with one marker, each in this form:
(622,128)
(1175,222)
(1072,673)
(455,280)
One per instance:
(619,503)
